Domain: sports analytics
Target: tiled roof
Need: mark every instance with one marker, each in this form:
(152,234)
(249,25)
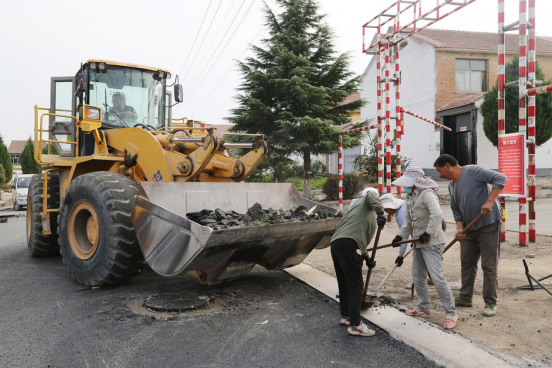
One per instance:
(462,101)
(16,147)
(479,41)
(352,98)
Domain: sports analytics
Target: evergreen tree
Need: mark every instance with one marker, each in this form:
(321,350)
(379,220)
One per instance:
(294,86)
(3,179)
(489,108)
(5,160)
(27,160)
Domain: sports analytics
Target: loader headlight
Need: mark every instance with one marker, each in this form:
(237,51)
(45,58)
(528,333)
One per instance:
(91,113)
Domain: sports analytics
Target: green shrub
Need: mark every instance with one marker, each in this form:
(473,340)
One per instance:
(352,185)
(299,183)
(318,167)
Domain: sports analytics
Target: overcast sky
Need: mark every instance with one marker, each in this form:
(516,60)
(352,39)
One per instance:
(42,39)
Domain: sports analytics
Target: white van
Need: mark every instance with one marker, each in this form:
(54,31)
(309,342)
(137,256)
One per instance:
(20,187)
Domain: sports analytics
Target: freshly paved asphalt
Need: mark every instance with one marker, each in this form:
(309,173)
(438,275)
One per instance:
(48,320)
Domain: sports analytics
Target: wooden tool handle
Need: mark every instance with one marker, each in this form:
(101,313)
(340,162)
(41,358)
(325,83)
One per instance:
(464,231)
(399,242)
(369,269)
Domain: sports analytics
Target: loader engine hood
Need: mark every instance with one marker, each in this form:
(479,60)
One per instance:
(171,243)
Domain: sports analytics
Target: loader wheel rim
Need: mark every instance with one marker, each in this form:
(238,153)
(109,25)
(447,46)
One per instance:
(83,230)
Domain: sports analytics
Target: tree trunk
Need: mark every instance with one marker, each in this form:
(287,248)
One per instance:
(307,174)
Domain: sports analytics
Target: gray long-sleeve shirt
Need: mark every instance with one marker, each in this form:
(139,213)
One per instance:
(471,192)
(423,214)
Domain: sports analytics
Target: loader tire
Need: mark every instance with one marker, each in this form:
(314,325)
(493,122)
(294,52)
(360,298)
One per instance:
(42,245)
(97,238)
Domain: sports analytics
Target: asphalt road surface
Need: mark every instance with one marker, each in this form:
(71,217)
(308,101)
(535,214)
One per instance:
(48,320)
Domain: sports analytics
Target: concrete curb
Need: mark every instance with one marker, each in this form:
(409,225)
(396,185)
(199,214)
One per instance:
(442,347)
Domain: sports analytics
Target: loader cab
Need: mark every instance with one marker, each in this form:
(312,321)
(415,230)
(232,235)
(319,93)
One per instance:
(128,95)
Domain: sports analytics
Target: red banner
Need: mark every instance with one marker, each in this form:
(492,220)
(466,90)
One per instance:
(512,162)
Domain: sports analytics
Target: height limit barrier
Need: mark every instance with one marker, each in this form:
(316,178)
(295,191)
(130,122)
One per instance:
(403,19)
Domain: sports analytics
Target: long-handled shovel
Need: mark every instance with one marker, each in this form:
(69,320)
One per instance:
(399,242)
(374,296)
(466,229)
(365,305)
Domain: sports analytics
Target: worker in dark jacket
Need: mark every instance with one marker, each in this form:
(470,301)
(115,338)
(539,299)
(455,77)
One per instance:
(470,196)
(354,232)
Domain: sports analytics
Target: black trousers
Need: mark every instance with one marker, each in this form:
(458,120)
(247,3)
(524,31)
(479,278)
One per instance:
(348,269)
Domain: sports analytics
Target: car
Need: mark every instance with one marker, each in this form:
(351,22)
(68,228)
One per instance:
(20,187)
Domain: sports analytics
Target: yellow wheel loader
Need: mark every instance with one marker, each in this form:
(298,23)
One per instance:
(125,173)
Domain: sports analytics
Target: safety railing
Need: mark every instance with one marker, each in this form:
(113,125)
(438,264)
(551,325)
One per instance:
(39,131)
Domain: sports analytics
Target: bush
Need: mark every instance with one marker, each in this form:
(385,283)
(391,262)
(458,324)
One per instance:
(352,185)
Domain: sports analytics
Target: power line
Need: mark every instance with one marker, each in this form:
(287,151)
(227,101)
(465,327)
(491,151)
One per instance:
(201,44)
(218,31)
(188,91)
(228,72)
(195,39)
(194,86)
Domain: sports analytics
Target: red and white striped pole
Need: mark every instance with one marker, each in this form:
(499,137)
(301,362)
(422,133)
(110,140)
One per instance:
(340,171)
(361,129)
(380,122)
(531,124)
(398,112)
(522,107)
(501,99)
(387,120)
(426,119)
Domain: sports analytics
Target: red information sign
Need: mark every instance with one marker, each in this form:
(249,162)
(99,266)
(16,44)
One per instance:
(512,162)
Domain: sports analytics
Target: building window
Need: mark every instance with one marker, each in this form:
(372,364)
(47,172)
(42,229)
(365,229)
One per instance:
(15,159)
(471,75)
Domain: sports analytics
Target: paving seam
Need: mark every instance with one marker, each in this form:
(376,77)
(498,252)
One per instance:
(442,347)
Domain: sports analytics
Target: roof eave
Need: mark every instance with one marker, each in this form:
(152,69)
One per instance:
(451,49)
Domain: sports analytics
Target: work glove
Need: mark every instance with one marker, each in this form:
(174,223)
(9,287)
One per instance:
(395,240)
(424,238)
(381,219)
(369,262)
(399,261)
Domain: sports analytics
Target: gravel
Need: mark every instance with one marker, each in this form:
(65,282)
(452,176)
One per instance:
(256,216)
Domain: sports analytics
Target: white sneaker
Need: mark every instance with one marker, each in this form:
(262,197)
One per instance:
(361,330)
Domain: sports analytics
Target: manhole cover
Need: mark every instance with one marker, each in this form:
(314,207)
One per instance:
(177,302)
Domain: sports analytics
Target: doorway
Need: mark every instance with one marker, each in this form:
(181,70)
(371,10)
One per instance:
(460,141)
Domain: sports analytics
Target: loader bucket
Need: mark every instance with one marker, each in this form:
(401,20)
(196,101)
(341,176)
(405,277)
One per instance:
(171,243)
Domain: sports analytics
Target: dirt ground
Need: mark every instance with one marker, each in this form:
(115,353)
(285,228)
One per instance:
(520,333)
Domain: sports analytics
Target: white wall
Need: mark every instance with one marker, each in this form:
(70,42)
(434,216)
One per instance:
(421,141)
(487,154)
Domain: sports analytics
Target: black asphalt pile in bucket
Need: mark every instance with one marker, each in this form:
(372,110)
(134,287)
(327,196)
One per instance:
(255,216)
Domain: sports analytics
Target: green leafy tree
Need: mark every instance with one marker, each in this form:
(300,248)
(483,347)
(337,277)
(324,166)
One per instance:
(367,163)
(294,86)
(489,108)
(27,160)
(5,160)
